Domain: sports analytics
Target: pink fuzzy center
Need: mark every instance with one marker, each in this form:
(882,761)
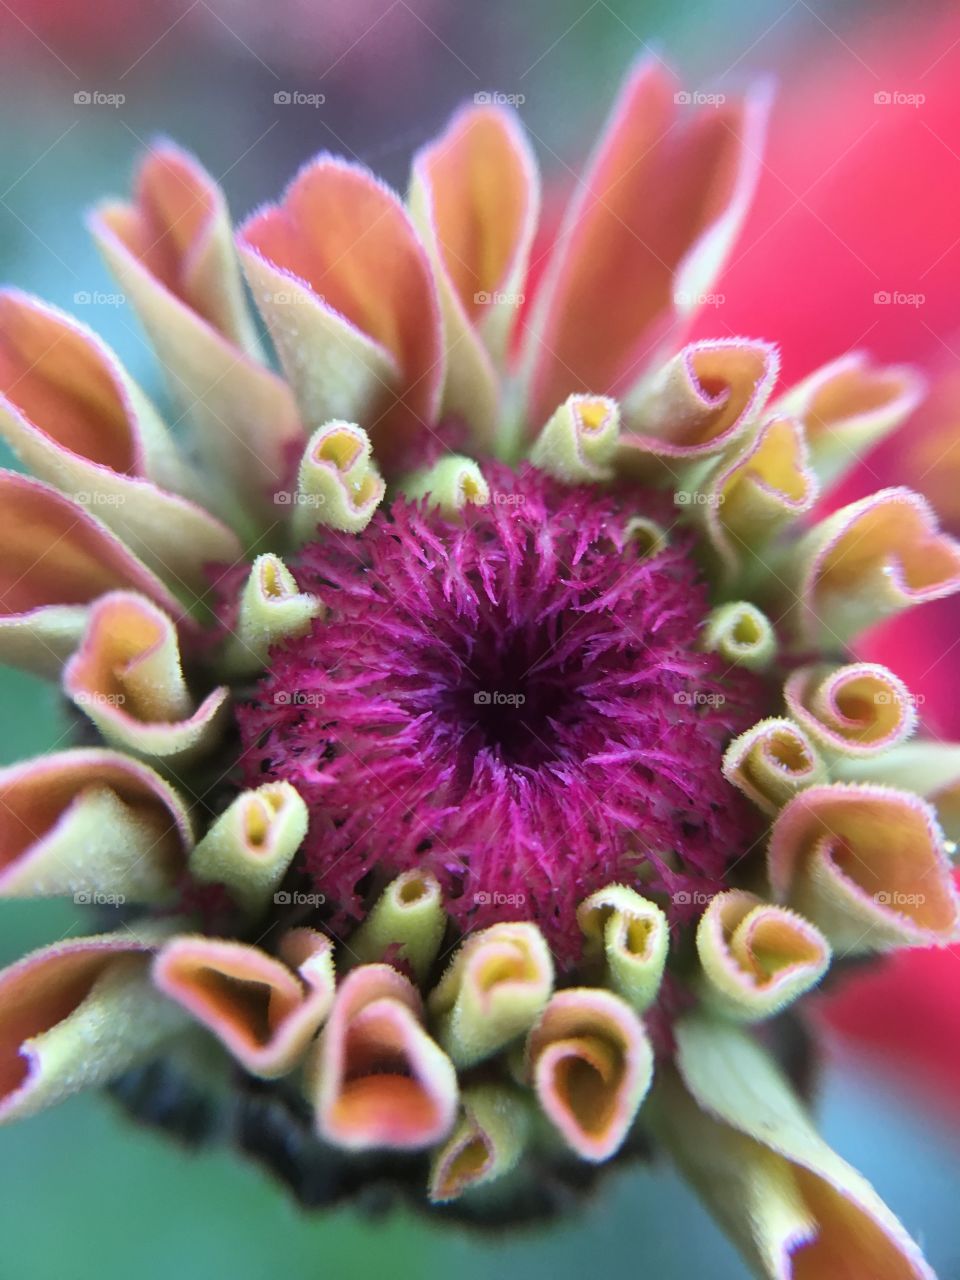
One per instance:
(515,702)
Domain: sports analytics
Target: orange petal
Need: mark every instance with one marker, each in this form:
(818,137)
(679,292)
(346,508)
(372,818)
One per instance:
(702,400)
(77,420)
(264,1011)
(74,1015)
(56,558)
(858,710)
(178,228)
(381,1081)
(771,761)
(757,958)
(751,496)
(591,1065)
(474,197)
(172,252)
(866,864)
(45,847)
(871,559)
(847,407)
(343,249)
(647,231)
(127,677)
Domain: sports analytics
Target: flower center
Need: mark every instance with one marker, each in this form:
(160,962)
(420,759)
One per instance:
(515,701)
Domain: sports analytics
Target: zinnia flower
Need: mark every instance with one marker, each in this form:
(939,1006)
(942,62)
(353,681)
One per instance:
(469,740)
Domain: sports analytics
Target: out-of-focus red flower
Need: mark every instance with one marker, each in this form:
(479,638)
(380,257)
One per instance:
(854,238)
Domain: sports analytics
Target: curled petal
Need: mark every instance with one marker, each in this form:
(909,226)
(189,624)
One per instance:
(263,1010)
(339,485)
(931,769)
(78,421)
(579,442)
(867,864)
(496,987)
(633,935)
(381,1081)
(696,405)
(741,634)
(591,1065)
(856,710)
(757,958)
(627,268)
(127,677)
(487,1143)
(772,761)
(251,844)
(57,558)
(87,822)
(869,560)
(408,919)
(474,196)
(347,293)
(797,1210)
(847,407)
(749,498)
(451,484)
(272,609)
(172,252)
(75,1015)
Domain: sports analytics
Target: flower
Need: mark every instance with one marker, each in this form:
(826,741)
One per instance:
(472,743)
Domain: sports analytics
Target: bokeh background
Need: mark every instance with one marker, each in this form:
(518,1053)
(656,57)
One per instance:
(82,1193)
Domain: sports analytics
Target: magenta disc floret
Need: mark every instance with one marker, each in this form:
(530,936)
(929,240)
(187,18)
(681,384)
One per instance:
(514,701)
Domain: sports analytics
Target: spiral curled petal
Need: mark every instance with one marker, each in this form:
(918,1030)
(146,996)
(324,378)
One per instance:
(866,864)
(264,1010)
(591,1065)
(379,1079)
(128,678)
(860,709)
(497,985)
(757,958)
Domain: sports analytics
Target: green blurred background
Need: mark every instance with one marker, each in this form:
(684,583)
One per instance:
(82,1193)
